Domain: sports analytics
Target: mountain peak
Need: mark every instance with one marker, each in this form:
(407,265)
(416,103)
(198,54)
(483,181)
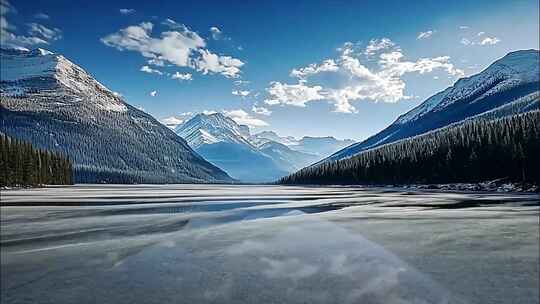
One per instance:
(212,128)
(23,72)
(41,52)
(59,106)
(528,52)
(511,81)
(514,69)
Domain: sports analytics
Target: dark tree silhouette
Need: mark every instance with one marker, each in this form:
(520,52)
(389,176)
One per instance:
(23,165)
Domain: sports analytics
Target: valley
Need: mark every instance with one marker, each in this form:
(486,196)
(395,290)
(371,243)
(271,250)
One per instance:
(56,105)
(291,152)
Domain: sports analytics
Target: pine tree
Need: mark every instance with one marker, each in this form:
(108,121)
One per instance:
(472,151)
(23,165)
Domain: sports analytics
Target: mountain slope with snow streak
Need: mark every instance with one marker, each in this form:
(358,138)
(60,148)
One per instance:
(513,78)
(51,102)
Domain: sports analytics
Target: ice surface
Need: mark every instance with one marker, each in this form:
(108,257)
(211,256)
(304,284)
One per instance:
(266,244)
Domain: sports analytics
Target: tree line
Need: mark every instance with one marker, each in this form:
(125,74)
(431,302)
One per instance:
(105,146)
(473,151)
(21,164)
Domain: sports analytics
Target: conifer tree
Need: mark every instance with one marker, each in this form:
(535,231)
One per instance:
(23,165)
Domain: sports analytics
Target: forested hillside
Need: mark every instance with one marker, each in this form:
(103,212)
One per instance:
(49,101)
(23,165)
(513,79)
(476,150)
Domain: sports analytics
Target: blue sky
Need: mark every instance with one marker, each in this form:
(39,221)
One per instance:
(370,60)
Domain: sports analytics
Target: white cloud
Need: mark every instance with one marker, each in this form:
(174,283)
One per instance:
(392,64)
(425,35)
(328,65)
(156,62)
(41,16)
(180,77)
(127,11)
(179,46)
(292,94)
(261,110)
(357,81)
(243,118)
(478,40)
(242,93)
(37,33)
(46,33)
(153,93)
(374,46)
(175,120)
(212,63)
(216,33)
(171,122)
(175,47)
(241,82)
(118,94)
(148,69)
(463,27)
(490,41)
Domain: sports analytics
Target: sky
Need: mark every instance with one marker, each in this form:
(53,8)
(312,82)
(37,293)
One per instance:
(302,68)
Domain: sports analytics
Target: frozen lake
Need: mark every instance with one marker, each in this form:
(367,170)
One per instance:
(267,244)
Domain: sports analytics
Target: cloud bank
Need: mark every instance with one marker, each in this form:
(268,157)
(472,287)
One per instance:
(178,46)
(36,34)
(373,73)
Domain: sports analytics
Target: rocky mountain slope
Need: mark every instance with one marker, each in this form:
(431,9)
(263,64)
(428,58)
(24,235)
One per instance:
(223,142)
(55,104)
(511,83)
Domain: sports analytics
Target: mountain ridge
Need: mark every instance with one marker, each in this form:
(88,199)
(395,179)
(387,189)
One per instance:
(55,104)
(223,142)
(506,80)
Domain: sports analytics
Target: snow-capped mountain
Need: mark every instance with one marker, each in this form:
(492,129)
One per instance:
(318,146)
(510,85)
(24,72)
(263,137)
(210,129)
(222,141)
(264,156)
(53,103)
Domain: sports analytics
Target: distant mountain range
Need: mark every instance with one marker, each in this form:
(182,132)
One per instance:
(54,104)
(260,157)
(510,83)
(318,146)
